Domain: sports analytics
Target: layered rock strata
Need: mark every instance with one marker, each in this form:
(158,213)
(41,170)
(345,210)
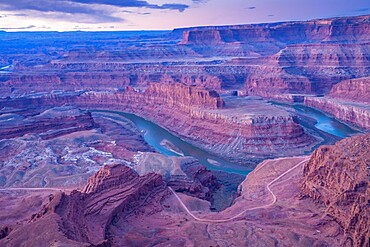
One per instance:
(264,59)
(336,29)
(354,113)
(252,129)
(338,178)
(356,90)
(85,217)
(236,133)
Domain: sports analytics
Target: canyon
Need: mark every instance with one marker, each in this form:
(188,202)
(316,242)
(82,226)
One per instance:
(241,130)
(201,136)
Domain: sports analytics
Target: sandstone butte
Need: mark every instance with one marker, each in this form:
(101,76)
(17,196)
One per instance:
(317,200)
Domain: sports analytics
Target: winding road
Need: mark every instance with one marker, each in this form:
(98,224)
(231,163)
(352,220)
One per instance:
(268,187)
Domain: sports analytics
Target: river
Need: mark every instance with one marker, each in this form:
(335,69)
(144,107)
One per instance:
(323,122)
(155,136)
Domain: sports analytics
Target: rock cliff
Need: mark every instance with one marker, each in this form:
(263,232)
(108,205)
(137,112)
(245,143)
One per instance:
(338,177)
(354,113)
(182,96)
(334,29)
(85,217)
(357,90)
(254,130)
(347,101)
(307,57)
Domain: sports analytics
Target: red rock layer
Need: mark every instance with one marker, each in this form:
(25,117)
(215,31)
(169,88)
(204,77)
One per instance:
(119,208)
(347,111)
(95,79)
(338,177)
(115,191)
(357,90)
(181,96)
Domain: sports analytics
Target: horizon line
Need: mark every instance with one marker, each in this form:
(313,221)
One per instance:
(180,28)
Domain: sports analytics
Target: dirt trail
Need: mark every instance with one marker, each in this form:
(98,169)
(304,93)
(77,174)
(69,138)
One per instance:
(268,187)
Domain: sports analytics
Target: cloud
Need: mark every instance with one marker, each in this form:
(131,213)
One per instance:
(82,11)
(57,9)
(199,1)
(134,3)
(363,10)
(252,7)
(173,6)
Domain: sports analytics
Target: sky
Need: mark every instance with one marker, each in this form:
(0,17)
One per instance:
(114,15)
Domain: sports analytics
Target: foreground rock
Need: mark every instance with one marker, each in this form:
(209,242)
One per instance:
(84,218)
(338,178)
(119,208)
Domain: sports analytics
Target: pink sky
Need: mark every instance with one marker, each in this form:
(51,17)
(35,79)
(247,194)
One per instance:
(67,15)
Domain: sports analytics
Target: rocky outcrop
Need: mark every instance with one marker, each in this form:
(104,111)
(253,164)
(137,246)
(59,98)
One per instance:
(119,208)
(114,192)
(353,113)
(183,174)
(181,96)
(357,90)
(201,182)
(338,177)
(347,101)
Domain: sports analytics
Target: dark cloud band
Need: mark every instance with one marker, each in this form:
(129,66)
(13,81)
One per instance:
(82,6)
(82,11)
